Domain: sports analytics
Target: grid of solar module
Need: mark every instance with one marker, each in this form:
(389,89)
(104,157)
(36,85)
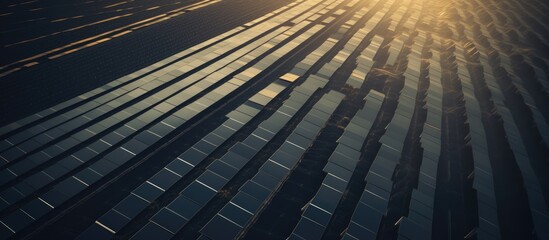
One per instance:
(301,68)
(339,169)
(372,206)
(418,223)
(365,62)
(355,40)
(395,48)
(370,25)
(397,16)
(483,181)
(528,11)
(204,188)
(540,214)
(305,64)
(379,15)
(118,157)
(141,197)
(156,228)
(139,88)
(67,164)
(541,122)
(163,75)
(512,18)
(52,156)
(413,18)
(505,58)
(236,215)
(108,103)
(71,186)
(148,137)
(216,138)
(164,65)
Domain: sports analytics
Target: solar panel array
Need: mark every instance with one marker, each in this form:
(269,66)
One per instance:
(340,167)
(318,120)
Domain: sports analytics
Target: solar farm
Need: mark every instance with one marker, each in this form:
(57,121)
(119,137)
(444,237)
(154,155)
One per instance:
(291,119)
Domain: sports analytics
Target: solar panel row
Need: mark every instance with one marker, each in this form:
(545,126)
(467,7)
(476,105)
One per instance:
(341,165)
(418,223)
(365,62)
(483,182)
